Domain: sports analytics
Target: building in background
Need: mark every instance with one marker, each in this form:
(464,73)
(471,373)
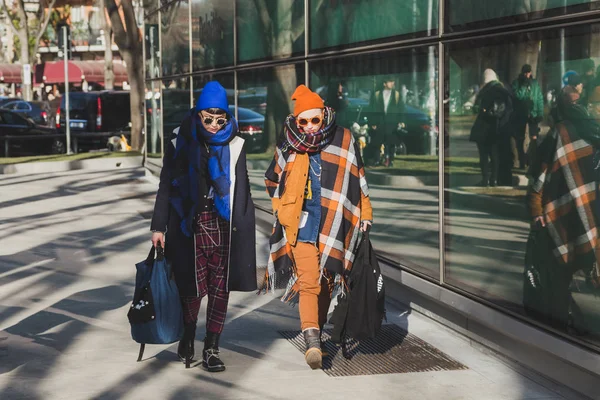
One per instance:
(452,239)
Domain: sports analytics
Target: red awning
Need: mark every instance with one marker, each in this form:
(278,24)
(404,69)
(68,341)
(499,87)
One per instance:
(10,73)
(90,71)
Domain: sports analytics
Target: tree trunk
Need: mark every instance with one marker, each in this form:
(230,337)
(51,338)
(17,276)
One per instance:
(24,58)
(134,61)
(109,76)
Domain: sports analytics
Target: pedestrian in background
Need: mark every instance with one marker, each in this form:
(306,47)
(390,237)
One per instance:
(491,131)
(528,113)
(204,206)
(320,199)
(388,106)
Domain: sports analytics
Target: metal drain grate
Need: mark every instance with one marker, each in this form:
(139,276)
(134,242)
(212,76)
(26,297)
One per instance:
(394,351)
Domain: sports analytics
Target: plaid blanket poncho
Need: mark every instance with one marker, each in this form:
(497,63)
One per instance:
(343,184)
(567,182)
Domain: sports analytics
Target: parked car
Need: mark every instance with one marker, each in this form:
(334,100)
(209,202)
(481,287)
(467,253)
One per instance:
(13,124)
(95,113)
(38,111)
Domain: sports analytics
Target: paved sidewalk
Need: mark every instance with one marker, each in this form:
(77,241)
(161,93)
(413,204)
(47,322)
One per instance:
(69,244)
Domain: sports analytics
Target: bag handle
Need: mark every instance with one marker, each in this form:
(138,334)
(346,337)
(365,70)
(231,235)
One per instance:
(155,253)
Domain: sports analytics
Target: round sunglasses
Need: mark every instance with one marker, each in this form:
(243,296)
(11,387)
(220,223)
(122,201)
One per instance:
(316,120)
(209,120)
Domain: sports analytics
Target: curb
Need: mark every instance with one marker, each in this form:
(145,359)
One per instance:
(62,166)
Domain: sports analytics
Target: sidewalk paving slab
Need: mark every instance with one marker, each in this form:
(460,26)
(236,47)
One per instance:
(66,280)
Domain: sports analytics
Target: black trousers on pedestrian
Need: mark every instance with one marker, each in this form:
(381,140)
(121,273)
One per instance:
(489,161)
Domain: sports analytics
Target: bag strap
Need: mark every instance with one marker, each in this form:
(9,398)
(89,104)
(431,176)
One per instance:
(151,255)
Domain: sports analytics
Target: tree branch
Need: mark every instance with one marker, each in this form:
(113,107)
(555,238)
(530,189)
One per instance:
(133,32)
(120,34)
(43,26)
(12,23)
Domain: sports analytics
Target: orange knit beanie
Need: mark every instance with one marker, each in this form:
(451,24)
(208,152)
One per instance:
(306,100)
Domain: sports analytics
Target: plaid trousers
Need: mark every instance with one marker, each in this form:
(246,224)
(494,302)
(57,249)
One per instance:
(212,259)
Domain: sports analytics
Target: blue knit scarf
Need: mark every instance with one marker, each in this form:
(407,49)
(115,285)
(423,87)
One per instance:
(218,161)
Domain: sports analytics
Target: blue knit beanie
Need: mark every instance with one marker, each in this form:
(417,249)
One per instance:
(213,95)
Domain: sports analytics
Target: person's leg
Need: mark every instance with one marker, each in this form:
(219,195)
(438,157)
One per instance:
(191,305)
(218,296)
(306,261)
(483,164)
(493,151)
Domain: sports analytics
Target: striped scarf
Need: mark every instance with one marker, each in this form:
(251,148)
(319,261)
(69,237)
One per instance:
(567,181)
(343,184)
(304,143)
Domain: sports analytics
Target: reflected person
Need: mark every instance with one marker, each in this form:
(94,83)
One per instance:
(491,131)
(320,200)
(564,205)
(204,207)
(389,108)
(528,113)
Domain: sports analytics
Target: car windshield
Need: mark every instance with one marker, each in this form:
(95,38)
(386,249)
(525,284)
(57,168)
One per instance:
(75,102)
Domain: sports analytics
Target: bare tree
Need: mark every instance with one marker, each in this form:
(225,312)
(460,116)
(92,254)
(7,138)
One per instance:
(29,27)
(128,38)
(109,75)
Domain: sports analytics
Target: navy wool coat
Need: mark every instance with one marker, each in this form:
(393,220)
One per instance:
(180,249)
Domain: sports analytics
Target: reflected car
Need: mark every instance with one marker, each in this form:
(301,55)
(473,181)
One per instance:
(250,123)
(413,139)
(252,129)
(14,125)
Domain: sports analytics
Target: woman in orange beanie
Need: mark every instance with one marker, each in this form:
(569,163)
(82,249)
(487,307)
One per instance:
(320,199)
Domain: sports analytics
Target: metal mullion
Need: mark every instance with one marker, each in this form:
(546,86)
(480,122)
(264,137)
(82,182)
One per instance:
(306,41)
(441,115)
(191,55)
(235,38)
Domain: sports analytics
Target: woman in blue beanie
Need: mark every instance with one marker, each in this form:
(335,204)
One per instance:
(204,208)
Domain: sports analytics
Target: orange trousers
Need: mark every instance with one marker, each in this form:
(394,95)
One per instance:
(315,295)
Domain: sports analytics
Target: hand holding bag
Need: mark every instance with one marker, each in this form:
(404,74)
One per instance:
(155,314)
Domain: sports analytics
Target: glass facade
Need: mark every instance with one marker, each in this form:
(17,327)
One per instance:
(212,34)
(461,124)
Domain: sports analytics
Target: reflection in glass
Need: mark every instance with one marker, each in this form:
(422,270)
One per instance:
(152,107)
(389,102)
(269,29)
(175,39)
(175,102)
(473,14)
(151,39)
(212,33)
(523,136)
(267,92)
(340,23)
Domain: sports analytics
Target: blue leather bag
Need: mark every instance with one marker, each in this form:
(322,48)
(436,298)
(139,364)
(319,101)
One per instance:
(155,314)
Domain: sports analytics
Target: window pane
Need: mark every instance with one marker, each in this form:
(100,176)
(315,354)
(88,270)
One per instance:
(175,103)
(474,14)
(151,40)
(389,100)
(264,102)
(174,26)
(342,23)
(274,32)
(152,108)
(212,33)
(513,114)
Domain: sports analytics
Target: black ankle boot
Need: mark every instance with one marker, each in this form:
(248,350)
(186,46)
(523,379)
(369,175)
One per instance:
(210,355)
(313,354)
(185,350)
